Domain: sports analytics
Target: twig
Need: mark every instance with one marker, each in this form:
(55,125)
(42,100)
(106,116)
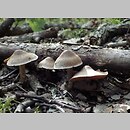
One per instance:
(53,106)
(18,86)
(44,100)
(22,106)
(5,76)
(7,88)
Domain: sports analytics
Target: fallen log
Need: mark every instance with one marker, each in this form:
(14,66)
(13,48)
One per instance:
(35,37)
(115,60)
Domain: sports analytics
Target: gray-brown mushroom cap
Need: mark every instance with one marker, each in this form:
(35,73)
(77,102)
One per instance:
(67,59)
(20,57)
(47,63)
(88,73)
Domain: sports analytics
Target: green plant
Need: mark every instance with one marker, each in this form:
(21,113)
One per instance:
(37,109)
(112,20)
(5,106)
(35,23)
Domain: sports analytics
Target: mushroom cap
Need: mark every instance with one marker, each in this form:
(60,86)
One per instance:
(67,59)
(20,57)
(47,63)
(88,73)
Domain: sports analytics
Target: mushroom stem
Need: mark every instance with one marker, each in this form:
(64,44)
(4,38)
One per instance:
(69,73)
(22,73)
(48,75)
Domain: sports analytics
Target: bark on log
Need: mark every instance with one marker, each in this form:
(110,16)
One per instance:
(112,59)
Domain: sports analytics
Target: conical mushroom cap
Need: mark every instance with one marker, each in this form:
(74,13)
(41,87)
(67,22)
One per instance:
(88,73)
(67,59)
(47,63)
(20,57)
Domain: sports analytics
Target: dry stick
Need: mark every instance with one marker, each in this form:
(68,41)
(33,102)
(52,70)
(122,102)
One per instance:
(33,37)
(10,87)
(117,44)
(7,75)
(22,106)
(21,88)
(53,106)
(43,99)
(7,88)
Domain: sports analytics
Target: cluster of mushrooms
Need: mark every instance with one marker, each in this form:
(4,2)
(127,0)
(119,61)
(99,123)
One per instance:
(67,60)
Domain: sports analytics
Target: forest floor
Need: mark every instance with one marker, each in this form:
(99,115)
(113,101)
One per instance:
(42,94)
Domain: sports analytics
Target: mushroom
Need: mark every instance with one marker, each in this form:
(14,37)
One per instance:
(48,64)
(85,76)
(89,73)
(67,60)
(20,58)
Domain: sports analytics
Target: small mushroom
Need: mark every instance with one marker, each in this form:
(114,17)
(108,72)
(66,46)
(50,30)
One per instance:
(87,76)
(48,64)
(67,60)
(89,73)
(20,58)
